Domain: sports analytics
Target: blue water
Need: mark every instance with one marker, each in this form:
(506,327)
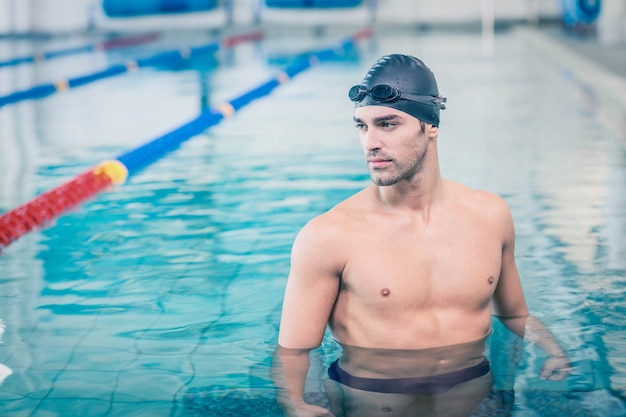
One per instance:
(162,297)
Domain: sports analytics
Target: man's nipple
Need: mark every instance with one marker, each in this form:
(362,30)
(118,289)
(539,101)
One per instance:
(385,292)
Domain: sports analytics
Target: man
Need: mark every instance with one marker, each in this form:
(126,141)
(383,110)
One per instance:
(413,263)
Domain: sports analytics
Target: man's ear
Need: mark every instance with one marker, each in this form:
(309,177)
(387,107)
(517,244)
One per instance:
(432,131)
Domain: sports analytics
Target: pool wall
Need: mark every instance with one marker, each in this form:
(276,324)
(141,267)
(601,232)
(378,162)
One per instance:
(67,16)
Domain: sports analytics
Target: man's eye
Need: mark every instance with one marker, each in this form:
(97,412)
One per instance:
(359,126)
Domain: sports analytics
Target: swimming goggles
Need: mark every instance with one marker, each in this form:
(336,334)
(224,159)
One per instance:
(387,93)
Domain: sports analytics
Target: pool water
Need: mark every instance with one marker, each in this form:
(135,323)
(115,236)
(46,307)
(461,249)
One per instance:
(162,297)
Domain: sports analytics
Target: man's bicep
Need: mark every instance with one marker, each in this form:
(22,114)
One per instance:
(310,293)
(509,300)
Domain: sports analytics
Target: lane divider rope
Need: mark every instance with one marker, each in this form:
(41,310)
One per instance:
(45,207)
(47,89)
(116,43)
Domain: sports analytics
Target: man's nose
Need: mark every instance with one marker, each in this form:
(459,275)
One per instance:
(372,139)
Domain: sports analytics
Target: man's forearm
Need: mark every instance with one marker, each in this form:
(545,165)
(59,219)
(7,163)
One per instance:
(538,334)
(533,330)
(289,371)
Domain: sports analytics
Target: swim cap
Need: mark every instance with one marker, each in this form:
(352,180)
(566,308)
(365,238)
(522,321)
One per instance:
(401,82)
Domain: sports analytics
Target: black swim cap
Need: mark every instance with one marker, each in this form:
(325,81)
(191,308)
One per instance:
(401,82)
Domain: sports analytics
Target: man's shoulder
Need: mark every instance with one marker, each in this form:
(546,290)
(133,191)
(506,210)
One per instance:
(339,217)
(328,234)
(473,195)
(480,201)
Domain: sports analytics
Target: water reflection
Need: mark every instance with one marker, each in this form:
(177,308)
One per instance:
(5,371)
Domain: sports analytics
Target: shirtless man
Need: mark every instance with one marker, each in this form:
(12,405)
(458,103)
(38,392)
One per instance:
(413,262)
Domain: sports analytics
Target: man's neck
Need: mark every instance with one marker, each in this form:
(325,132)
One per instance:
(417,195)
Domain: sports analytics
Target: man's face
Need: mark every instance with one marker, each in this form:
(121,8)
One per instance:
(394,143)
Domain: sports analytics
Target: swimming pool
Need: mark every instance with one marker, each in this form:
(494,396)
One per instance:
(162,297)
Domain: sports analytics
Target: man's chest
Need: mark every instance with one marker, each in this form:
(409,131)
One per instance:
(424,267)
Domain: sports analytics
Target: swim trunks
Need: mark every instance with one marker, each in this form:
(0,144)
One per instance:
(422,385)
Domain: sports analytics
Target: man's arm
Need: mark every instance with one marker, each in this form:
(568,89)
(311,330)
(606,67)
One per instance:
(510,307)
(557,366)
(508,298)
(312,285)
(310,294)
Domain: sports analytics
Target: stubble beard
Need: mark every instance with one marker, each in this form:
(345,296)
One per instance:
(401,172)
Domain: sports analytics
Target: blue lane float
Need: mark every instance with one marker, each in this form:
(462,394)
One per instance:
(136,159)
(183,54)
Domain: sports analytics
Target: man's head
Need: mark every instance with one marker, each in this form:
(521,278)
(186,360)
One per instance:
(402,82)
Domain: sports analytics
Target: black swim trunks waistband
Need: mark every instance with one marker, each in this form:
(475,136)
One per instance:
(425,385)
